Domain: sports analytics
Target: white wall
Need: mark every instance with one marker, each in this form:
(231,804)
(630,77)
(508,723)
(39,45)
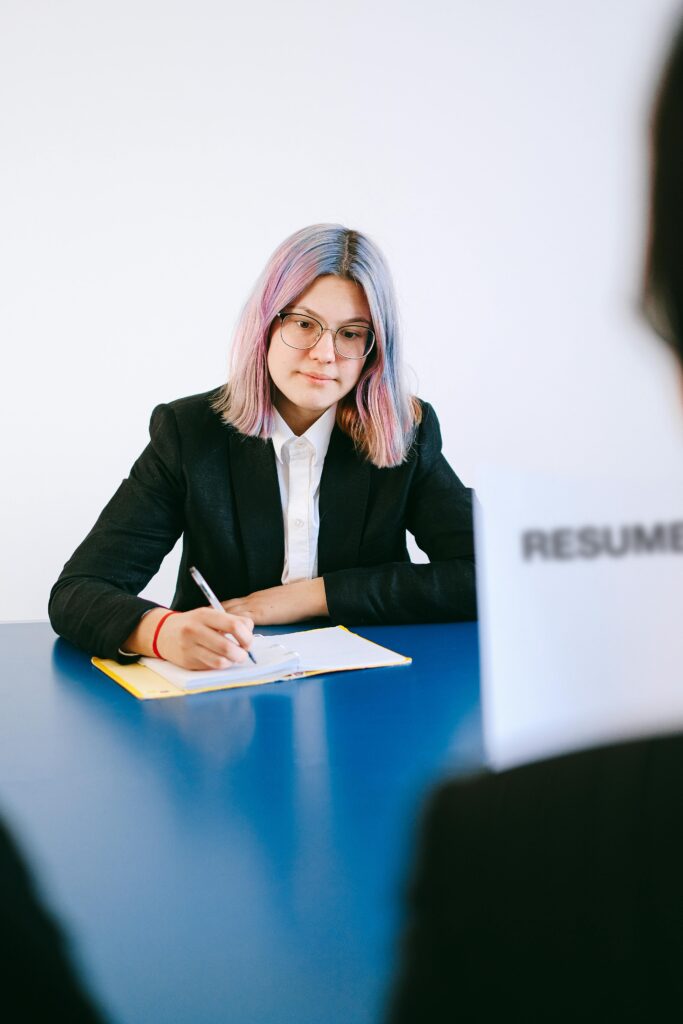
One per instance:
(154,153)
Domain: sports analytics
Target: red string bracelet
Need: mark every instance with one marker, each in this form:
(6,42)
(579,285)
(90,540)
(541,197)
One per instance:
(160,623)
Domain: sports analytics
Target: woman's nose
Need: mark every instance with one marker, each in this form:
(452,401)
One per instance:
(324,349)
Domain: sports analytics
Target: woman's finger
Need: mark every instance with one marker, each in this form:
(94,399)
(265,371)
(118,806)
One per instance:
(210,658)
(190,641)
(241,611)
(218,644)
(238,626)
(200,647)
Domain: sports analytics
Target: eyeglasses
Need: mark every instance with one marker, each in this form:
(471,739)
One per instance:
(298,330)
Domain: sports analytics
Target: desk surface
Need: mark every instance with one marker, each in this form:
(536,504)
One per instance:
(238,856)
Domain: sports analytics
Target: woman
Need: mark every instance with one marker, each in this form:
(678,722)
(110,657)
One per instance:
(293,485)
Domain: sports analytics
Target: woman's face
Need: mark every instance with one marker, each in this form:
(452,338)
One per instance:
(309,381)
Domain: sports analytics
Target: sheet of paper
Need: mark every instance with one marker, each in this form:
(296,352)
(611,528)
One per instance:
(580,588)
(334,649)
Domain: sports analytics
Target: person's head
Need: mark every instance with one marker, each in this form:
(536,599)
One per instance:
(321,327)
(663,293)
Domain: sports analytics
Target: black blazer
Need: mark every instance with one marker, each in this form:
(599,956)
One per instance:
(199,477)
(551,892)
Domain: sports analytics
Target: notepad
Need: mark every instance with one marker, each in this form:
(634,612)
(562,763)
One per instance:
(272,657)
(280,657)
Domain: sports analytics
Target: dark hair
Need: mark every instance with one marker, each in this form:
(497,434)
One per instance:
(663,285)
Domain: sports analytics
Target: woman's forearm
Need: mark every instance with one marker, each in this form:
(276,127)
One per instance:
(291,602)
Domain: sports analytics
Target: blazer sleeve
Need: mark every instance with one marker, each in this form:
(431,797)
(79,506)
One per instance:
(94,603)
(439,515)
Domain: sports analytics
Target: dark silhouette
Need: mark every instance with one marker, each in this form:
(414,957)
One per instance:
(37,979)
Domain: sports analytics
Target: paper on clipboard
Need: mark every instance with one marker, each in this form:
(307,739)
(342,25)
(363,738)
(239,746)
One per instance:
(308,652)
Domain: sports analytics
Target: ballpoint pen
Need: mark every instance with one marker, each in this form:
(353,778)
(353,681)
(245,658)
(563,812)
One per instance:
(213,600)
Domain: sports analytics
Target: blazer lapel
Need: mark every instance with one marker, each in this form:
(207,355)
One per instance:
(343,499)
(259,509)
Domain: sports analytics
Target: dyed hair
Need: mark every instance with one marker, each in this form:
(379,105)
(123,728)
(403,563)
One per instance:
(663,291)
(378,415)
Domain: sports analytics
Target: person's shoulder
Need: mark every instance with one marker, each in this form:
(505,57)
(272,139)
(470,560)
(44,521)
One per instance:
(193,406)
(193,412)
(568,779)
(427,414)
(424,406)
(426,442)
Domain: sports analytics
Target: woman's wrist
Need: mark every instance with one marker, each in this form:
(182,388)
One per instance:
(141,640)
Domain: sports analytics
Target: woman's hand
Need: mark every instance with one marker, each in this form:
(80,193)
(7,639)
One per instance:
(195,639)
(279,606)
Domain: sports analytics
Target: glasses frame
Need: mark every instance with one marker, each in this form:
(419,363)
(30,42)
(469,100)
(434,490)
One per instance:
(342,355)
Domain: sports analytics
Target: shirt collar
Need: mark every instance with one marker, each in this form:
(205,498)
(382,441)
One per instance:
(318,435)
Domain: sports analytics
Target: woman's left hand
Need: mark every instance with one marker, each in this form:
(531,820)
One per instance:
(279,606)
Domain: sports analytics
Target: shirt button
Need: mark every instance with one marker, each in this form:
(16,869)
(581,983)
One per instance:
(299,523)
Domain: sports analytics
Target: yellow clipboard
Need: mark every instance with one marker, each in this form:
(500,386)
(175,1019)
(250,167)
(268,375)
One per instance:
(145,684)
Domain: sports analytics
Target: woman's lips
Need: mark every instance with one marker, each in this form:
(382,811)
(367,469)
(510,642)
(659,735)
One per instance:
(318,378)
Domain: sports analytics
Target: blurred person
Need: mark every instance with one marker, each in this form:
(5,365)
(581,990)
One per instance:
(38,982)
(554,891)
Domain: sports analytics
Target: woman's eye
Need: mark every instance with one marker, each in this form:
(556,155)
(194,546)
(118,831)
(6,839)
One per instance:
(303,324)
(350,334)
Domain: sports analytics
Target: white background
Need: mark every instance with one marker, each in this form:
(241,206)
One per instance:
(154,153)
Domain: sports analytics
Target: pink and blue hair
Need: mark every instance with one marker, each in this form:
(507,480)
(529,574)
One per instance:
(379,415)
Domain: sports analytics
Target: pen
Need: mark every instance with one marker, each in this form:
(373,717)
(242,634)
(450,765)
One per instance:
(212,599)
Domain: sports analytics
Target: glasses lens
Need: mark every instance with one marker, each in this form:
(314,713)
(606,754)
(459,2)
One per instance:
(299,332)
(354,342)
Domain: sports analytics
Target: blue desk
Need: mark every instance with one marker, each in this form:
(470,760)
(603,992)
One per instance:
(239,856)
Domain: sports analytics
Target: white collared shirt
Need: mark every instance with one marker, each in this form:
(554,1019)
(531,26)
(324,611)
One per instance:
(299,462)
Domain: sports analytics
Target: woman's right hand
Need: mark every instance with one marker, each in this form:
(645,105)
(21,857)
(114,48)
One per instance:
(195,639)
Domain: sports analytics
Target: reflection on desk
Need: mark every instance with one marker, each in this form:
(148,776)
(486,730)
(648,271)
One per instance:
(235,855)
